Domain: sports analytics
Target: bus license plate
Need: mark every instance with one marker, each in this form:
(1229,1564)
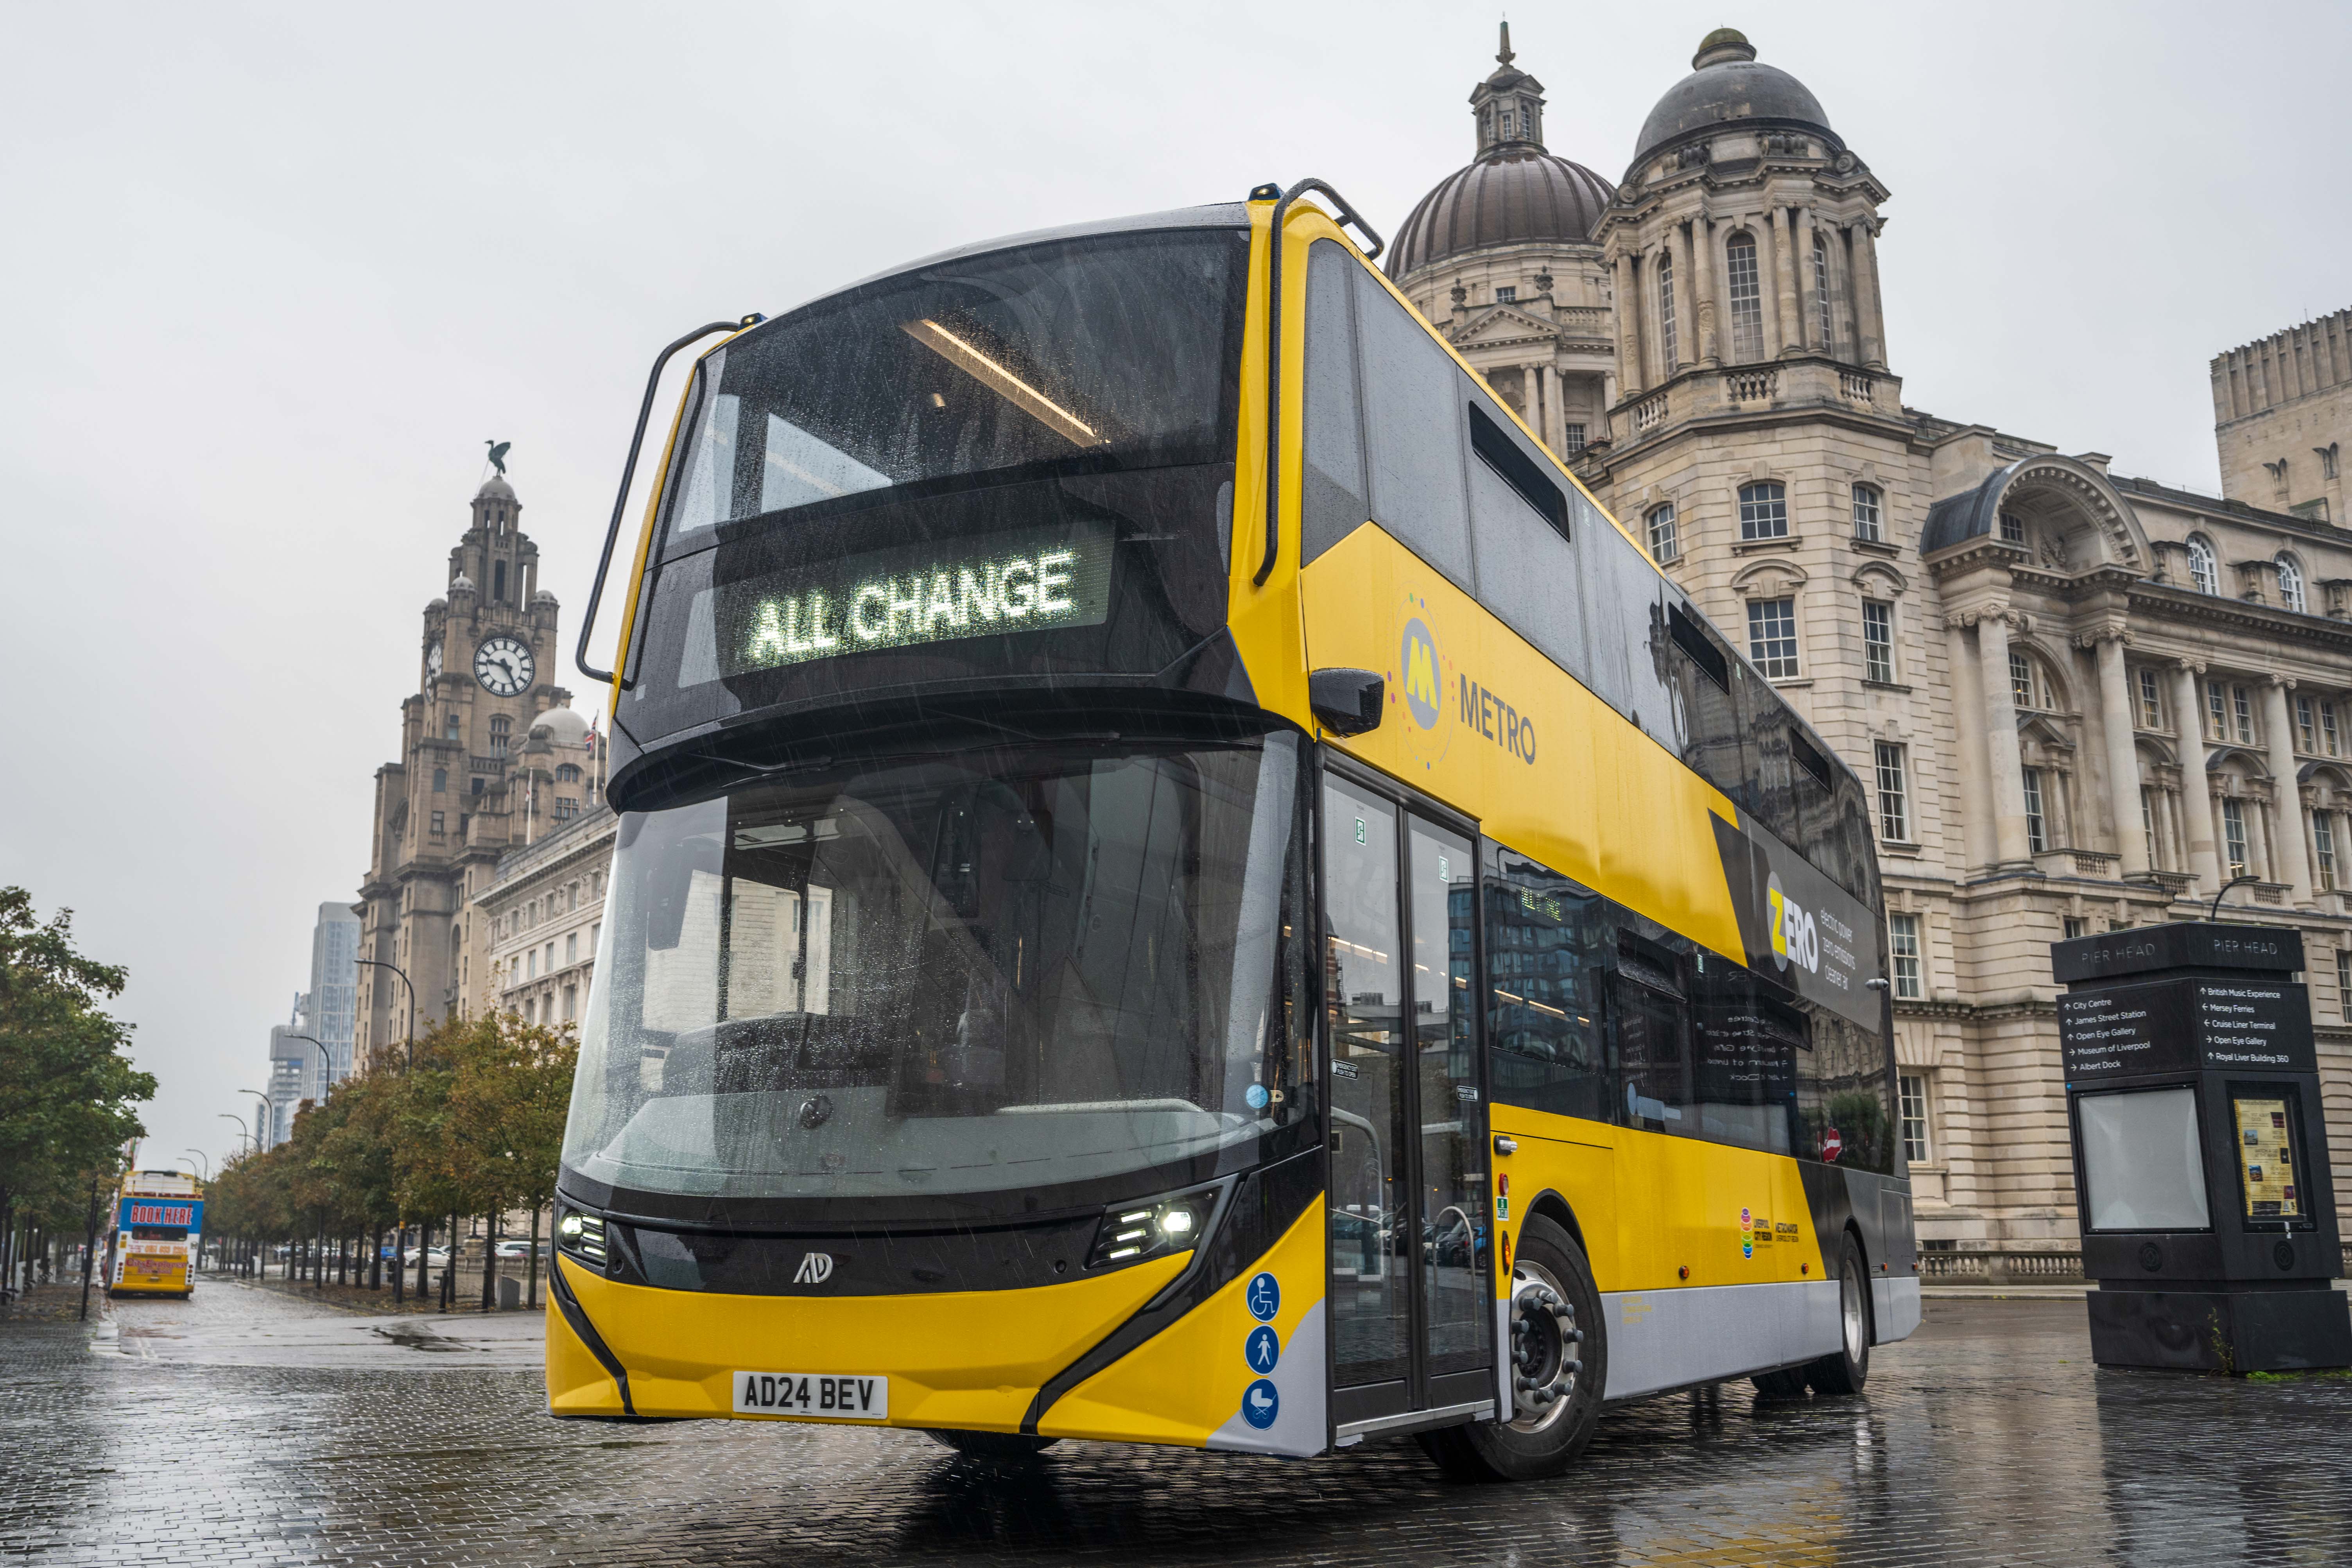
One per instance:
(824,1395)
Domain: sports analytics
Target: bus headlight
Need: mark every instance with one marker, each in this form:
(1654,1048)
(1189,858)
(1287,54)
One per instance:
(583,1235)
(1134,1232)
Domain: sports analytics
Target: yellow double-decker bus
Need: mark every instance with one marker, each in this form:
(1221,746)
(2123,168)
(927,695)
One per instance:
(1179,881)
(152,1240)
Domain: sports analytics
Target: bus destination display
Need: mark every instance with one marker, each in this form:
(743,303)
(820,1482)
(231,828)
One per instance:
(1031,581)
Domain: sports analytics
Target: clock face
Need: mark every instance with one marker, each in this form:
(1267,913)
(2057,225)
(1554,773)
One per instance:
(432,664)
(503,665)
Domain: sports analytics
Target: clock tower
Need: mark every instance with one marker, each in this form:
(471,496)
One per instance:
(461,790)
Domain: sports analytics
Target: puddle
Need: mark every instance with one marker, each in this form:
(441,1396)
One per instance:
(419,1339)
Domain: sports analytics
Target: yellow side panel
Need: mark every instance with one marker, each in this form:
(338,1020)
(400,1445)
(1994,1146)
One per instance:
(577,1383)
(1186,1381)
(964,1359)
(1480,717)
(1651,1204)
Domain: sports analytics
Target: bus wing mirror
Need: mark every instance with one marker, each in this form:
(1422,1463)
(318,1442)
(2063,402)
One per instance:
(1347,702)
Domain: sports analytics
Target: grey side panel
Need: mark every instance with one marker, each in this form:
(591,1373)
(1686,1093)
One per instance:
(1667,1339)
(1300,1428)
(1894,1309)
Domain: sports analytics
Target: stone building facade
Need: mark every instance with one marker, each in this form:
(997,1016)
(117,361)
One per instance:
(2283,415)
(2083,701)
(476,774)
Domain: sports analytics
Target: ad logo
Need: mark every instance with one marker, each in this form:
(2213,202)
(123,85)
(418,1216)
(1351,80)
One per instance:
(815,1268)
(1794,938)
(1419,657)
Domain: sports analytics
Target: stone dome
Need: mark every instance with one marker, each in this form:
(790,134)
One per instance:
(1727,83)
(461,584)
(436,606)
(562,727)
(495,488)
(543,596)
(1515,195)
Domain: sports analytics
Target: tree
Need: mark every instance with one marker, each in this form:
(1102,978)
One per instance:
(65,1088)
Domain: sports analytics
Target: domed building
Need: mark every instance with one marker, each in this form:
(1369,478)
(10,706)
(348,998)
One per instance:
(1502,255)
(2082,702)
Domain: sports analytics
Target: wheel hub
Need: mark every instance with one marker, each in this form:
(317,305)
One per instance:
(1544,1360)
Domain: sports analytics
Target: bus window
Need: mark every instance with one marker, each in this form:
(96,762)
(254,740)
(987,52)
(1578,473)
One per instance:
(1525,568)
(1650,1019)
(1412,416)
(1364,983)
(1746,1048)
(1843,1088)
(1540,963)
(1332,504)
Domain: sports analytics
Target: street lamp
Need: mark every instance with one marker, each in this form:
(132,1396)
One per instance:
(232,1116)
(326,1063)
(380,963)
(266,1120)
(2233,882)
(204,1172)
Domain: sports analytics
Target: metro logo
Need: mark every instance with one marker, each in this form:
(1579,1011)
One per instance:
(1420,657)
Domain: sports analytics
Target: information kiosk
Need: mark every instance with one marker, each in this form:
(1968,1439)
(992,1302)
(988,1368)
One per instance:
(2200,1156)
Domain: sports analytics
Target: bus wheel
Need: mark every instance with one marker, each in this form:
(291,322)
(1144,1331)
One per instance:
(1845,1370)
(991,1447)
(1558,1366)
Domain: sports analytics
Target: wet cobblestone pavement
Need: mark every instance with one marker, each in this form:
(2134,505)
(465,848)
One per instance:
(245,1427)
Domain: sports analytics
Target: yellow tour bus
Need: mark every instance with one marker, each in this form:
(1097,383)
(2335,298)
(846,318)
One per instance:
(158,1225)
(1179,881)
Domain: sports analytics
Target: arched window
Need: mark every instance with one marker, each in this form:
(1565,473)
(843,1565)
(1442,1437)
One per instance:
(1764,511)
(1868,514)
(567,774)
(2289,582)
(440,780)
(2030,684)
(2204,571)
(1747,299)
(1821,292)
(1667,344)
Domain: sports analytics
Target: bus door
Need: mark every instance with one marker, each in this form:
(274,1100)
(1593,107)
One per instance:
(1411,1289)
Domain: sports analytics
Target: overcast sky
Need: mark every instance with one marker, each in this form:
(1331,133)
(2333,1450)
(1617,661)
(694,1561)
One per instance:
(271,277)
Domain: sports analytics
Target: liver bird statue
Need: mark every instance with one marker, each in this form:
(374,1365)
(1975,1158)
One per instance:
(499,456)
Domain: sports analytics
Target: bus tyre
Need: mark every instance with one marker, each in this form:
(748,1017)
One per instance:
(1787,1383)
(991,1447)
(1557,1356)
(1845,1370)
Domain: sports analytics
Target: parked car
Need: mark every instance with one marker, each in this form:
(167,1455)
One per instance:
(438,1258)
(515,1247)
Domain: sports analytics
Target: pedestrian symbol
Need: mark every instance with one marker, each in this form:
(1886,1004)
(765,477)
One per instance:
(1260,1403)
(1261,1348)
(1264,1298)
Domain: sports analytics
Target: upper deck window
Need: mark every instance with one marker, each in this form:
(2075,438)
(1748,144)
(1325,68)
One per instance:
(1111,351)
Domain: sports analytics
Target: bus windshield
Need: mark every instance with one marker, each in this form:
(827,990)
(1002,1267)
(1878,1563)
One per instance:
(969,975)
(1114,351)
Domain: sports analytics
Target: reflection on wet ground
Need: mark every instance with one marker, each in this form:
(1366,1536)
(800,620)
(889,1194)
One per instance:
(244,1424)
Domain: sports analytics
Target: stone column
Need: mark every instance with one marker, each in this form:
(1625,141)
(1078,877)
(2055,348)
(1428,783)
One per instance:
(1785,262)
(2294,849)
(1702,286)
(1868,321)
(2123,756)
(1685,293)
(1976,790)
(1629,326)
(2004,763)
(2198,817)
(1808,308)
(1550,426)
